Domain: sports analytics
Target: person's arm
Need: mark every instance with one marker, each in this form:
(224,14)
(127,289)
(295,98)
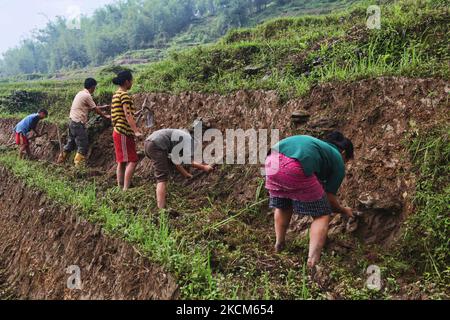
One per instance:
(130,118)
(97,109)
(204,167)
(36,133)
(337,206)
(104,107)
(184,172)
(333,184)
(100,113)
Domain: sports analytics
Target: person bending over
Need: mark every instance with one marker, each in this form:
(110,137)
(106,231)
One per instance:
(303,176)
(23,129)
(161,147)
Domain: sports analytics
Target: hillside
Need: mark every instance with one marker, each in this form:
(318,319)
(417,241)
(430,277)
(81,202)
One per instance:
(387,89)
(135,32)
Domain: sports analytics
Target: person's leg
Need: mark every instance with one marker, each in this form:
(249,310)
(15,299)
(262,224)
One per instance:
(28,152)
(129,172)
(161,193)
(282,220)
(82,142)
(121,174)
(318,237)
(22,151)
(24,147)
(69,147)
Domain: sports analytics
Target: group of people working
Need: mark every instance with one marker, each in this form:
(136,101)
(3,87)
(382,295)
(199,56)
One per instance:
(303,173)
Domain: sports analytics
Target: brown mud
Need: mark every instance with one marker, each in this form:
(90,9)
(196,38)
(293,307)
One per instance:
(40,240)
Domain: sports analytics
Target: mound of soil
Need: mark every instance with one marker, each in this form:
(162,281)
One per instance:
(40,240)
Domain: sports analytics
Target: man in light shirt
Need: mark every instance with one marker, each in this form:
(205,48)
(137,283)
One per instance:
(79,113)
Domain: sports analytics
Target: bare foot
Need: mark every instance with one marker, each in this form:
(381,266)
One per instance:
(279,247)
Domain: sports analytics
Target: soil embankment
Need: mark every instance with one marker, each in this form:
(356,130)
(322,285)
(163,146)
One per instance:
(40,240)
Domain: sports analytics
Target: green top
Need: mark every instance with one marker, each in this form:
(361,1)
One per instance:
(316,156)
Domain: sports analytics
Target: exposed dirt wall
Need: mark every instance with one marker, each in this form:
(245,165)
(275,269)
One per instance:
(377,114)
(39,240)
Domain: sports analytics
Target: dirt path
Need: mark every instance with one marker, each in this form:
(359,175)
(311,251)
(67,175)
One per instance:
(40,240)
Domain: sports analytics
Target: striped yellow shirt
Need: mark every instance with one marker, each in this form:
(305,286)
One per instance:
(119,120)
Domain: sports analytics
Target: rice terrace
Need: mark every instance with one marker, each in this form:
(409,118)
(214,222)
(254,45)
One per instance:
(227,150)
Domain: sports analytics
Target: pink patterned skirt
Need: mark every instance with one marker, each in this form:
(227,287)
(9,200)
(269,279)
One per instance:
(286,179)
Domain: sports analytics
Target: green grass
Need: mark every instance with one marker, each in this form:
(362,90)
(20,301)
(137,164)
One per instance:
(156,240)
(427,233)
(179,246)
(204,265)
(291,54)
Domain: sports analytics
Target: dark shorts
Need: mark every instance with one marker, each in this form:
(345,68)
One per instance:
(161,161)
(78,138)
(316,208)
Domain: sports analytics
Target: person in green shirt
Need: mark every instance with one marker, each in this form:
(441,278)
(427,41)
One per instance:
(303,176)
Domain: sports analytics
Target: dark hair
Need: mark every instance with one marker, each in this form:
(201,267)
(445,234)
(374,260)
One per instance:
(44,111)
(343,143)
(89,83)
(122,77)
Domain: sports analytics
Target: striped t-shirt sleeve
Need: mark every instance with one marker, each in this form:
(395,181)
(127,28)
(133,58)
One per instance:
(126,100)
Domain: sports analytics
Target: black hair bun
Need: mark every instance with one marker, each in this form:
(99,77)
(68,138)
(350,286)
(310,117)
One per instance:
(122,77)
(335,136)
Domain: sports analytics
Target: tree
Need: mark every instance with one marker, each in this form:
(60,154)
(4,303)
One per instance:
(117,28)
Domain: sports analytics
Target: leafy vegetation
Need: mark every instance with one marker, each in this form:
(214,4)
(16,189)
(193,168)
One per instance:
(212,247)
(288,55)
(189,263)
(292,54)
(139,29)
(181,250)
(426,241)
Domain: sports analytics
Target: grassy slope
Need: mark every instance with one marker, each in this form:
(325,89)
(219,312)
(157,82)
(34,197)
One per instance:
(199,32)
(288,55)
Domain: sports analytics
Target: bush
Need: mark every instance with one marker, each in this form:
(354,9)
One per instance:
(22,101)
